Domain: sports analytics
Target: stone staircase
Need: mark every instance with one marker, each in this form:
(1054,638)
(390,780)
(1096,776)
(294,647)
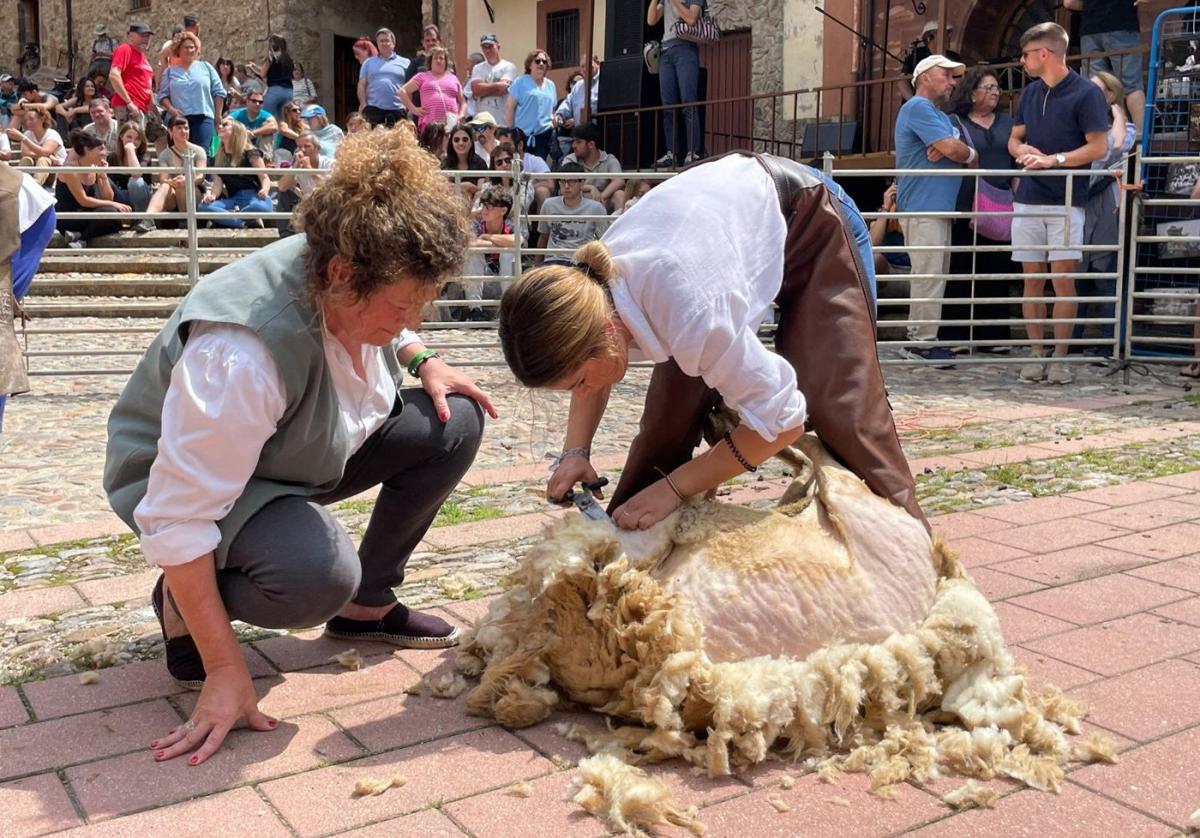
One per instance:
(101,281)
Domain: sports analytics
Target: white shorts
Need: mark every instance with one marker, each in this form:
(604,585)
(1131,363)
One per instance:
(1034,238)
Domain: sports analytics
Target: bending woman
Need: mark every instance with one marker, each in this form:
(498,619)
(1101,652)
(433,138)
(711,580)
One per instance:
(275,390)
(653,287)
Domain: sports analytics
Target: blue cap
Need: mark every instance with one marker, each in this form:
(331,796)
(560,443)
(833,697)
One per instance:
(311,111)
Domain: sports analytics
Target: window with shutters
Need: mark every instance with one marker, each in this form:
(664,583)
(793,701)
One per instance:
(562,37)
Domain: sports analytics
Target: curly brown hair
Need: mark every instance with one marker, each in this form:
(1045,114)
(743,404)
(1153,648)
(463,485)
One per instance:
(388,211)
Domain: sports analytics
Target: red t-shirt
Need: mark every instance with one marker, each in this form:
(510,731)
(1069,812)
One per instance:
(136,73)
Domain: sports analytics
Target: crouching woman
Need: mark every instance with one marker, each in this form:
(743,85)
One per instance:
(275,390)
(658,287)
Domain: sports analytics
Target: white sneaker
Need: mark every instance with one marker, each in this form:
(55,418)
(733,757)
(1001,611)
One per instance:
(1059,374)
(691,158)
(1033,372)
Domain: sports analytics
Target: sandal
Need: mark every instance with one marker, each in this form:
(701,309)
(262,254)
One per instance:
(1192,370)
(183,657)
(401,627)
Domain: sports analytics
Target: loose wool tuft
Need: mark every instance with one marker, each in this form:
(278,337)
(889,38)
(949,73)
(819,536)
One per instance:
(831,629)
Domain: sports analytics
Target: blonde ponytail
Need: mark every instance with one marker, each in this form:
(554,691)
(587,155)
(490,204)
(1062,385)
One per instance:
(554,318)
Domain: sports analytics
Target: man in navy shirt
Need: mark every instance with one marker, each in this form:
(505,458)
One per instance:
(925,139)
(1061,123)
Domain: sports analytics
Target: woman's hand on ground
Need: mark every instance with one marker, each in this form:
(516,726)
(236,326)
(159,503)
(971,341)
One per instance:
(570,470)
(440,380)
(228,697)
(647,507)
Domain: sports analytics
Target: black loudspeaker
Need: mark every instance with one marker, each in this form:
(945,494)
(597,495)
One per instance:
(625,83)
(625,29)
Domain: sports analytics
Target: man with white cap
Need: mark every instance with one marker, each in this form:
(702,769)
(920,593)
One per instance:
(926,139)
(491,78)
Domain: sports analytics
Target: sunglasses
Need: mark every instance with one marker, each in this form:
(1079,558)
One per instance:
(256,101)
(462,139)
(541,61)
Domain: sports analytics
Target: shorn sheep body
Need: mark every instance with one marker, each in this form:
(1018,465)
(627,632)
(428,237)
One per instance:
(831,630)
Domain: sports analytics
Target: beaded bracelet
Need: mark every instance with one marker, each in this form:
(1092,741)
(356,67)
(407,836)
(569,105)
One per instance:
(670,483)
(579,451)
(737,455)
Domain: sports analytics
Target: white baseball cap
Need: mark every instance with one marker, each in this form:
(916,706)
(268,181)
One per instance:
(928,63)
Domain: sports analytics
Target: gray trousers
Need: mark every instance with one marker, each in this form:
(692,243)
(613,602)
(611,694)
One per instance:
(293,565)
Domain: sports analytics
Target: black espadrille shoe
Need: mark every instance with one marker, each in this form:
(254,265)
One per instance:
(183,658)
(401,627)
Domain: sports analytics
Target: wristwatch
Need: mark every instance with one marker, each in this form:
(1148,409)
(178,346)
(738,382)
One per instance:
(1060,159)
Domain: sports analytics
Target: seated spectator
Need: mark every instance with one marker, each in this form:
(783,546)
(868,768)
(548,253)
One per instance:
(328,134)
(231,193)
(484,126)
(260,125)
(304,92)
(8,98)
(307,170)
(569,112)
(170,193)
(531,101)
(191,88)
(233,88)
(77,109)
(886,231)
(132,189)
(531,164)
(585,151)
(635,189)
(6,152)
(569,233)
(434,139)
(87,192)
(356,122)
(441,92)
(100,83)
(248,81)
(461,157)
(40,144)
(493,229)
(31,98)
(291,126)
(103,125)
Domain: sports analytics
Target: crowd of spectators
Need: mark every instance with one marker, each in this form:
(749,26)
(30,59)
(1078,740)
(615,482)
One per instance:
(1063,120)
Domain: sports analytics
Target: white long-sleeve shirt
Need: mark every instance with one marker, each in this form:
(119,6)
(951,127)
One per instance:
(224,402)
(699,262)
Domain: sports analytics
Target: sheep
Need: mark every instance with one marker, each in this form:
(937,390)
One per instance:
(832,624)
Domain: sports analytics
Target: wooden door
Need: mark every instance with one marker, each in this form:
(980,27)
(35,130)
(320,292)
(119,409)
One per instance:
(727,126)
(345,78)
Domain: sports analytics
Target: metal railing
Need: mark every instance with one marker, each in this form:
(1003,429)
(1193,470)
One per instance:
(1109,332)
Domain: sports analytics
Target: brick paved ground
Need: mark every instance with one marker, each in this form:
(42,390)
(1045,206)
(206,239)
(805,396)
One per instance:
(1098,591)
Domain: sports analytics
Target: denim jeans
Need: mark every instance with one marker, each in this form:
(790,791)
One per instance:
(274,100)
(1128,68)
(245,200)
(679,82)
(858,226)
(200,128)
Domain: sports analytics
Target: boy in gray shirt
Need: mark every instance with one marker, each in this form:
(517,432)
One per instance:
(570,233)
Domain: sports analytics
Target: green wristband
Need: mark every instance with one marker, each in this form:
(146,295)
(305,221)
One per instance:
(414,363)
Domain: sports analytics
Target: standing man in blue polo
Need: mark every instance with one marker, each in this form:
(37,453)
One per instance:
(1061,123)
(380,80)
(925,139)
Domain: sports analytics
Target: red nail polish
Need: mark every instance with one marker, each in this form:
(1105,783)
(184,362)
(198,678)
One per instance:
(154,744)
(273,723)
(194,760)
(160,755)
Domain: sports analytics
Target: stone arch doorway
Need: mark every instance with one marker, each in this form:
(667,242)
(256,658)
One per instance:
(992,30)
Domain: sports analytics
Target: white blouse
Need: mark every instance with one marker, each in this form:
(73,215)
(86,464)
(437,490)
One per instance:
(224,402)
(699,261)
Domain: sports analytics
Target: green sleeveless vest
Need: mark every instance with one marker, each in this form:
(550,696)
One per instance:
(307,454)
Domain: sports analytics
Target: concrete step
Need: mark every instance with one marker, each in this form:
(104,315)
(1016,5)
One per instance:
(161,239)
(93,261)
(107,308)
(108,285)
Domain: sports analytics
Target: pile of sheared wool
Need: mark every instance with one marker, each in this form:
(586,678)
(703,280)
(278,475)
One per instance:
(832,626)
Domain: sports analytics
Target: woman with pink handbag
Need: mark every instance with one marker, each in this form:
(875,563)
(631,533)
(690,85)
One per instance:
(985,129)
